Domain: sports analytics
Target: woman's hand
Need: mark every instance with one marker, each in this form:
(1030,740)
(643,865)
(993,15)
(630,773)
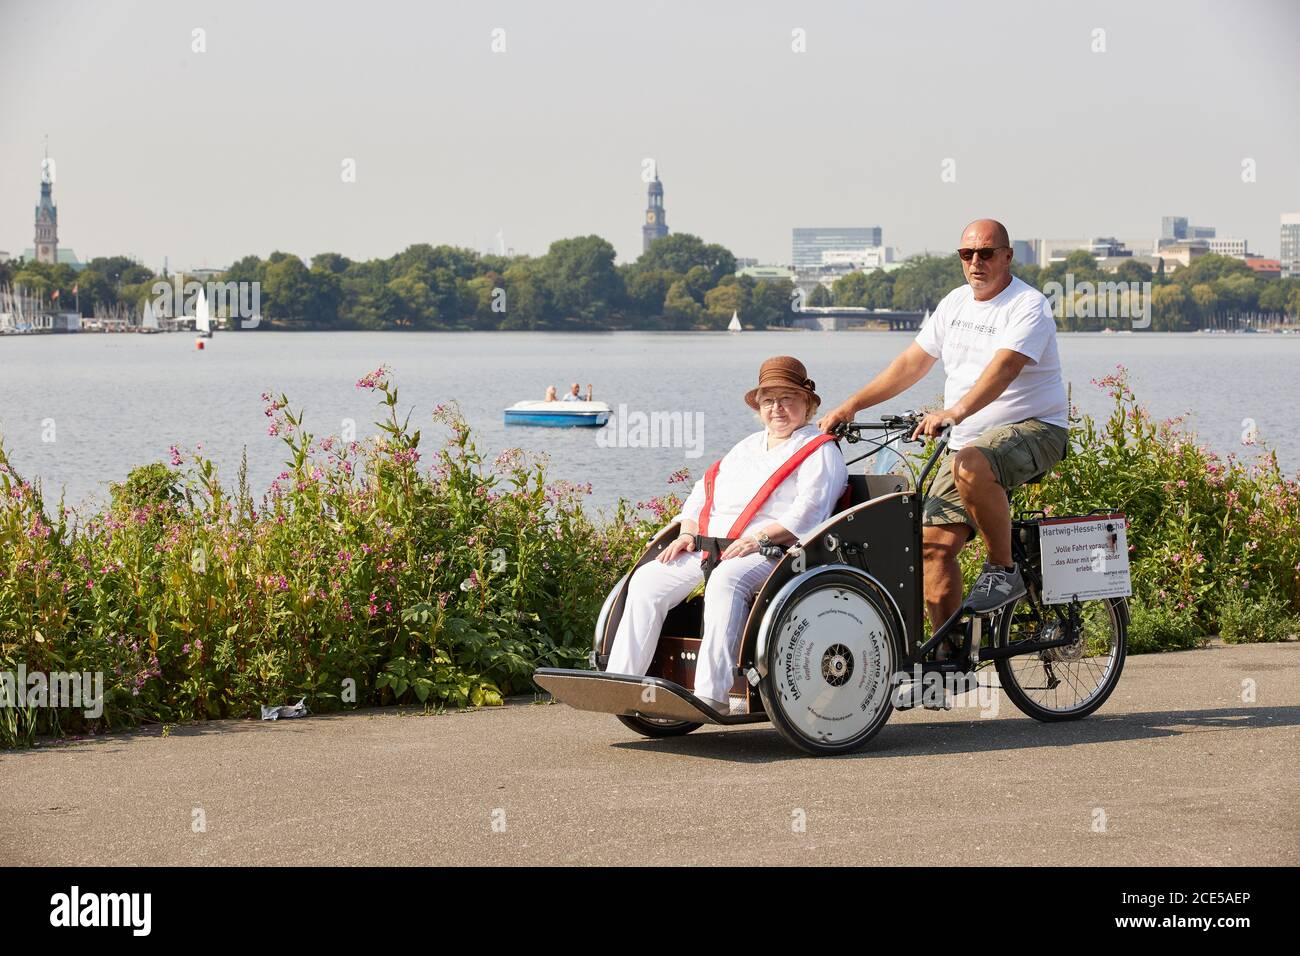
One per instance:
(740,547)
(683,542)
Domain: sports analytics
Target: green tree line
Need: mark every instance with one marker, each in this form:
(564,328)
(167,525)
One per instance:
(681,282)
(1213,288)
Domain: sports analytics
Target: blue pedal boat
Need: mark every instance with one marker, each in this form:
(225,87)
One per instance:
(558,414)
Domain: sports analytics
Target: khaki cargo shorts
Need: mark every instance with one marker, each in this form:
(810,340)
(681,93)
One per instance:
(1015,452)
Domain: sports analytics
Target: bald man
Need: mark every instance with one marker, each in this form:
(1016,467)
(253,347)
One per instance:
(1006,400)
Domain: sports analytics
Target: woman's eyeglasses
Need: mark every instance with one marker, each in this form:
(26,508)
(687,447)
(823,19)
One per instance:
(785,401)
(985,254)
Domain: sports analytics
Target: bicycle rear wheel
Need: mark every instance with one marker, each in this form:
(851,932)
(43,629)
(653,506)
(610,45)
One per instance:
(1069,682)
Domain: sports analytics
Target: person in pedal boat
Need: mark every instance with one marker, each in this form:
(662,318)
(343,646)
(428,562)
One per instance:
(772,488)
(574,394)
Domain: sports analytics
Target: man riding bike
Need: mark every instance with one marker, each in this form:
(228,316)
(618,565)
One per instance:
(1006,400)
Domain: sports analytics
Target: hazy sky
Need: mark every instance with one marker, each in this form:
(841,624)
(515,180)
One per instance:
(205,157)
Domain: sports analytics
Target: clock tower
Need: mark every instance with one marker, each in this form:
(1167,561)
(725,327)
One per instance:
(654,226)
(47,218)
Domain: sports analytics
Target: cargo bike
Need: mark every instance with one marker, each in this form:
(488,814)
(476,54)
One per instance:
(835,640)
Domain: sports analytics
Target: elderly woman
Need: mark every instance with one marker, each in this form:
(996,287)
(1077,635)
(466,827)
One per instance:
(772,488)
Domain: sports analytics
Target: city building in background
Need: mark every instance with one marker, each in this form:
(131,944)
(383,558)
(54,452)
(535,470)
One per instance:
(47,217)
(1056,250)
(1183,252)
(766,273)
(1173,227)
(1178,229)
(1025,251)
(1112,263)
(1109,247)
(809,244)
(45,246)
(871,257)
(1264,268)
(1290,254)
(206,273)
(1141,246)
(655,225)
(1228,247)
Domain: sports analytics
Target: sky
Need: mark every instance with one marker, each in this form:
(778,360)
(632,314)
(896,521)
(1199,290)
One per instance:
(760,117)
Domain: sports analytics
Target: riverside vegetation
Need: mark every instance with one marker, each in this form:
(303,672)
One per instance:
(375,572)
(680,282)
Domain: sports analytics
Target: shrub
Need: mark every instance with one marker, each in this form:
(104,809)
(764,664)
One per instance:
(1160,627)
(1197,523)
(364,576)
(1264,618)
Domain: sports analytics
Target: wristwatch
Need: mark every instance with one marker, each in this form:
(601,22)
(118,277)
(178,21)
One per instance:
(769,548)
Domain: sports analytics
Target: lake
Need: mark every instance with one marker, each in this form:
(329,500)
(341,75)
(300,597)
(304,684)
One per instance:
(79,411)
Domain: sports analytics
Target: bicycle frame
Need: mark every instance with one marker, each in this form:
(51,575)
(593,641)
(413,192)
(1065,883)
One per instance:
(968,624)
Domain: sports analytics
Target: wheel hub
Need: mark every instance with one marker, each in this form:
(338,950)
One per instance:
(1066,653)
(837,665)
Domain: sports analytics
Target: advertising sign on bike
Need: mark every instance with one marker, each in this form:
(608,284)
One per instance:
(1084,558)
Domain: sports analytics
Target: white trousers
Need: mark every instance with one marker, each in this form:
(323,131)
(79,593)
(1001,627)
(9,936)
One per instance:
(656,587)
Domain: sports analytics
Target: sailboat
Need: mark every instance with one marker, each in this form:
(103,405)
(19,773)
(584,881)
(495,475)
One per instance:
(734,324)
(148,321)
(202,322)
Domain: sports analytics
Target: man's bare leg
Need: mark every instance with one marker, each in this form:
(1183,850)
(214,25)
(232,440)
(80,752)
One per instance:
(986,502)
(940,545)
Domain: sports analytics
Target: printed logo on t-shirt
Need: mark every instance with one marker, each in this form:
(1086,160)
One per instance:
(961,323)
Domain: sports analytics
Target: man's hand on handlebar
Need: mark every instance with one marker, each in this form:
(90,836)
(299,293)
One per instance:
(933,423)
(836,417)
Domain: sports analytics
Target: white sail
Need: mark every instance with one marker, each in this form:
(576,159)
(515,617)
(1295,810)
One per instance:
(149,320)
(734,325)
(202,323)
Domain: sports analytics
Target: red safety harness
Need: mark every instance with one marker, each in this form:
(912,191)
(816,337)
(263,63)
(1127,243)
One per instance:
(786,469)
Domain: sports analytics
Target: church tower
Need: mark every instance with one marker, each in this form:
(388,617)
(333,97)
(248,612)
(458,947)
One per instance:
(655,227)
(47,217)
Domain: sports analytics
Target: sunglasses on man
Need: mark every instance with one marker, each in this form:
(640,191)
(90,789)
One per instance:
(985,254)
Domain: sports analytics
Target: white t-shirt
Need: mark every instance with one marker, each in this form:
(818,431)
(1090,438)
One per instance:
(964,334)
(799,504)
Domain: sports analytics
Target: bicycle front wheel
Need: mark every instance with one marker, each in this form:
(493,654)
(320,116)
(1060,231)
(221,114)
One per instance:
(1069,682)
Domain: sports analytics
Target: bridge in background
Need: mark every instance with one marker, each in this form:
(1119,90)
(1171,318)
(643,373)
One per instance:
(838,318)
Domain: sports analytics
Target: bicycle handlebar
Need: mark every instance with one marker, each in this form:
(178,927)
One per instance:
(906,422)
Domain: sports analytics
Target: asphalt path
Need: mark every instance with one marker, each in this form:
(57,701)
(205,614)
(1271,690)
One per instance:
(1193,761)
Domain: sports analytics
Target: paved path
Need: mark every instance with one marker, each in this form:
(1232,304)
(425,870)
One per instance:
(1183,770)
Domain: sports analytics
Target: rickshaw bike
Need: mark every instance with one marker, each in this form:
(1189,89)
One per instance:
(835,639)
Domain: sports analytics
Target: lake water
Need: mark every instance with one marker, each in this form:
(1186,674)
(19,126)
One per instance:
(113,402)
